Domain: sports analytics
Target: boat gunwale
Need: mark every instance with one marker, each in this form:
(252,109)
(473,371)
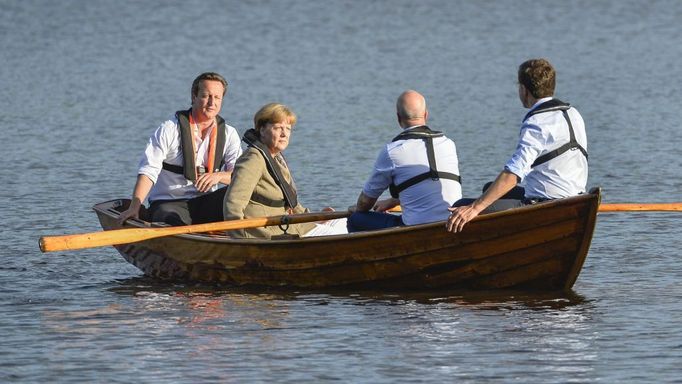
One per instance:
(106,208)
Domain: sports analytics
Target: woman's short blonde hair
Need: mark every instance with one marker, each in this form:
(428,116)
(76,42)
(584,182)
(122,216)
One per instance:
(273,113)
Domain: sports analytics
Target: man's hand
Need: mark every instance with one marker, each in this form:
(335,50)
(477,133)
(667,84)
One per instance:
(460,216)
(133,212)
(142,187)
(386,204)
(206,181)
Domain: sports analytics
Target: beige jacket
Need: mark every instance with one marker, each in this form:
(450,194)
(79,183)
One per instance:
(251,185)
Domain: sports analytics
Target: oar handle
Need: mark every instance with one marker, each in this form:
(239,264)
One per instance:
(132,235)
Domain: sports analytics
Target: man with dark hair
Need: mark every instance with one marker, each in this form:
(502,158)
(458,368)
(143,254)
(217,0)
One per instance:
(186,159)
(550,159)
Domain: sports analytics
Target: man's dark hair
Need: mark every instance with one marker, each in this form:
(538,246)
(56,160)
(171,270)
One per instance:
(210,76)
(538,76)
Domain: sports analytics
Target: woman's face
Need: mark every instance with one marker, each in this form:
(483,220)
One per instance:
(276,136)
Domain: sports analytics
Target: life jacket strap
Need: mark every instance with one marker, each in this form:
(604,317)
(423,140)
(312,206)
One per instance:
(551,106)
(269,202)
(181,170)
(288,190)
(396,189)
(186,140)
(426,134)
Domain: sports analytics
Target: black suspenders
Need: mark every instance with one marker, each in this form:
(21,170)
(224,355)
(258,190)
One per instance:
(423,133)
(550,106)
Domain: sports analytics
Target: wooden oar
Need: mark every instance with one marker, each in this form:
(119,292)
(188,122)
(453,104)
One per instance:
(618,207)
(625,207)
(132,235)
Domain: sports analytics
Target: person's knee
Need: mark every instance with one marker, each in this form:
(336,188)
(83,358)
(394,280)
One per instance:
(463,202)
(367,221)
(517,192)
(503,205)
(352,224)
(169,215)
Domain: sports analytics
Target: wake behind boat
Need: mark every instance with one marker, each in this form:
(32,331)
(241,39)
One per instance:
(542,246)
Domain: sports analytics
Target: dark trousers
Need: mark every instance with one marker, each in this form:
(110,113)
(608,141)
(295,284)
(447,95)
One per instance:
(367,221)
(202,209)
(512,199)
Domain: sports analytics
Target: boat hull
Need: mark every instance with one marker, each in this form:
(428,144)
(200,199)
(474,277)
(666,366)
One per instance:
(536,247)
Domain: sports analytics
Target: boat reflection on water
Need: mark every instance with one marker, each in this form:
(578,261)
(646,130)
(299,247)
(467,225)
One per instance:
(207,298)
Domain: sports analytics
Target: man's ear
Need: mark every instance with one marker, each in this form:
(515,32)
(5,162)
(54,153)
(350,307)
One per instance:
(524,95)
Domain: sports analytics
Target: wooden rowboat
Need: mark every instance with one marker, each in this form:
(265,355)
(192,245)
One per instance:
(542,246)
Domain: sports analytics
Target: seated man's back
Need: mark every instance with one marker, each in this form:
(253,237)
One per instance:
(428,200)
(419,167)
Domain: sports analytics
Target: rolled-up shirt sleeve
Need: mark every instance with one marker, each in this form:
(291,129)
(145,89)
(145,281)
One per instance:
(233,149)
(381,177)
(157,151)
(531,142)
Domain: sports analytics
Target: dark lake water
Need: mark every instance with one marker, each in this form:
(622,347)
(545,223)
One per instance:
(85,83)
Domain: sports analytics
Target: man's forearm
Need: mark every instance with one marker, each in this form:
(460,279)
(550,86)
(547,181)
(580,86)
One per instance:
(504,183)
(365,203)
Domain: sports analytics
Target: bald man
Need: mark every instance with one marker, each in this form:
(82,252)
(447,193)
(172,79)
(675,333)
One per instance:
(419,167)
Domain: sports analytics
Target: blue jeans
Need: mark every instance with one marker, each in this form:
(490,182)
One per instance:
(367,221)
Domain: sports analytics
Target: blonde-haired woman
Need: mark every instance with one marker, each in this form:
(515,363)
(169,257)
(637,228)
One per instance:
(262,184)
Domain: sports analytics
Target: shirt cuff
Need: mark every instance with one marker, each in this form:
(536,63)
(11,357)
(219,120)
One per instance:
(511,168)
(149,171)
(371,194)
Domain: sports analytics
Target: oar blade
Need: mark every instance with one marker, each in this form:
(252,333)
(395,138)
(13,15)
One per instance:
(95,239)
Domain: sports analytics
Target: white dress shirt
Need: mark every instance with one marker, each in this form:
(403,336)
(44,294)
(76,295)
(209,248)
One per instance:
(562,176)
(424,202)
(165,145)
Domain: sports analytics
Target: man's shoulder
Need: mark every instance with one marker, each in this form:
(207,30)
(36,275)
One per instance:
(542,120)
(549,110)
(549,120)
(230,129)
(437,140)
(445,139)
(169,127)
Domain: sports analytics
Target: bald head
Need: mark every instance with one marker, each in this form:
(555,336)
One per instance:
(411,108)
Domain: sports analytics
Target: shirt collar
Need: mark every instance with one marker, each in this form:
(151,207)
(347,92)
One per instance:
(537,103)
